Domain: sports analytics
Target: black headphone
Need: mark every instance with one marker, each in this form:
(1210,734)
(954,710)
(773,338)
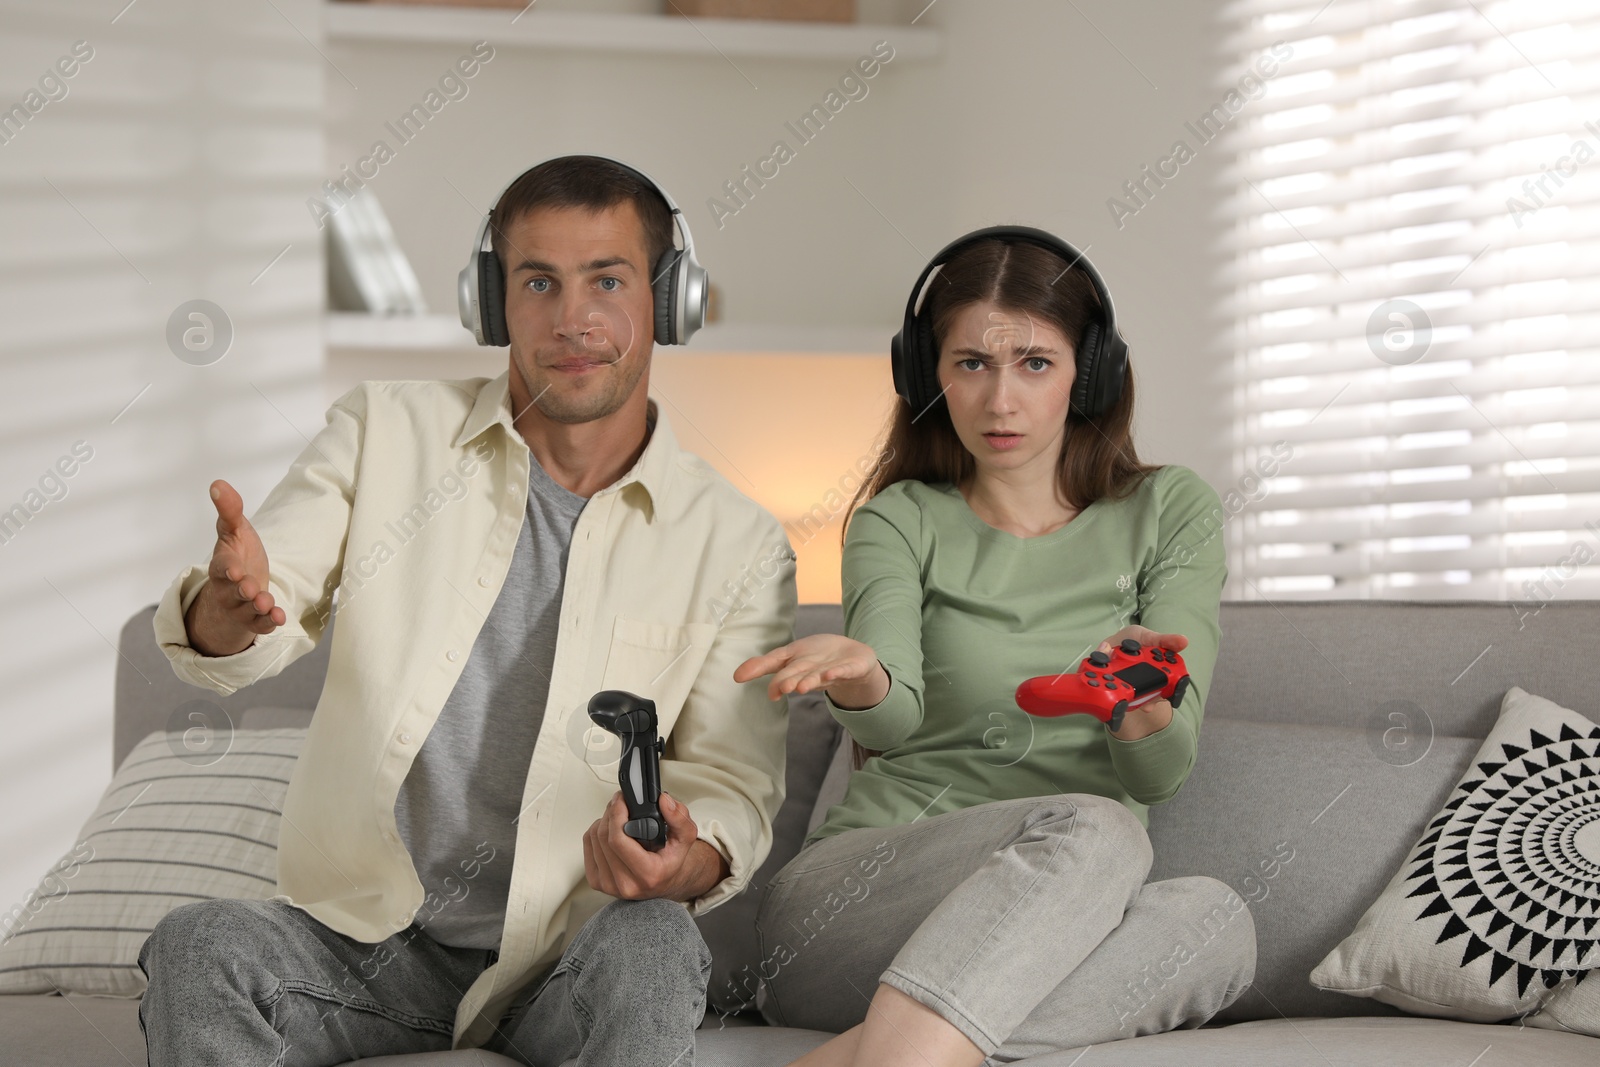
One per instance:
(678,281)
(1102,356)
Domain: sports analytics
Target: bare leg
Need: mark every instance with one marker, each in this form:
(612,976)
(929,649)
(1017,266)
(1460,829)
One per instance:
(838,1052)
(899,1032)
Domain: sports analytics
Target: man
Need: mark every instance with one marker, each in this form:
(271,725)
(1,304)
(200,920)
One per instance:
(452,869)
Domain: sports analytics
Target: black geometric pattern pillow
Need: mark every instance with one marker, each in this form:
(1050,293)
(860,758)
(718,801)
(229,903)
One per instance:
(1496,911)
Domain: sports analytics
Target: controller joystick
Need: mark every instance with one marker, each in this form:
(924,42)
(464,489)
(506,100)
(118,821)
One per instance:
(633,719)
(1106,686)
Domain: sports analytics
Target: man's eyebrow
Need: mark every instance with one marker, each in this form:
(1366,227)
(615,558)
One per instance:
(583,268)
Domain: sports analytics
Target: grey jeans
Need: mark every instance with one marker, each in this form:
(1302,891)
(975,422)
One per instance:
(260,983)
(1027,924)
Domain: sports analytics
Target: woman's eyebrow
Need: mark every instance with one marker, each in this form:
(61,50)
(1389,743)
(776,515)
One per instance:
(1022,352)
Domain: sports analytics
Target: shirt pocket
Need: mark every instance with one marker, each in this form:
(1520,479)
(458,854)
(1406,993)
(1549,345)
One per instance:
(656,660)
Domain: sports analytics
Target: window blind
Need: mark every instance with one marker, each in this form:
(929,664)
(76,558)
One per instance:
(1413,228)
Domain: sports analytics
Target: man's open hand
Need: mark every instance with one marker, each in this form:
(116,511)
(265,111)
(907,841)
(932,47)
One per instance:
(617,865)
(235,605)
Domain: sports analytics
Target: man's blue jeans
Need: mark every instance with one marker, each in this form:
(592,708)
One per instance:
(260,983)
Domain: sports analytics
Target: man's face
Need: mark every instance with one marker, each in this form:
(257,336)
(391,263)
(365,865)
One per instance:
(579,308)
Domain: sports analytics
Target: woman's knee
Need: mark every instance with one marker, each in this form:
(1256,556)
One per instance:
(1226,931)
(1107,825)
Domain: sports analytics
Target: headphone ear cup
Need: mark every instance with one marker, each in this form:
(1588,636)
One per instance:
(1112,367)
(492,299)
(695,285)
(664,286)
(897,365)
(1086,389)
(925,365)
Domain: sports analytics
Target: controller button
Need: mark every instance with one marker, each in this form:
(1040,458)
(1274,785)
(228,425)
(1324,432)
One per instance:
(1097,684)
(1089,674)
(1099,659)
(1130,646)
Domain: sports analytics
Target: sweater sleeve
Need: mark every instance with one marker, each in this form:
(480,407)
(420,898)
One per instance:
(881,589)
(1179,593)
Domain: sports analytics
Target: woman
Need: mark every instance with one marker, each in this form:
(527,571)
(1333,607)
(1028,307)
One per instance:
(979,894)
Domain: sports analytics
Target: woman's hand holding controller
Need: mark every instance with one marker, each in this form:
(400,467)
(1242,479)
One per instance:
(1152,716)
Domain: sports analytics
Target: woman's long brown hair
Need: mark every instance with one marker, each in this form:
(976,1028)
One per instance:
(1097,459)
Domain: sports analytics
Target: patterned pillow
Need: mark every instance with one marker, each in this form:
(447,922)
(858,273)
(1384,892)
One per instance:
(1496,911)
(177,823)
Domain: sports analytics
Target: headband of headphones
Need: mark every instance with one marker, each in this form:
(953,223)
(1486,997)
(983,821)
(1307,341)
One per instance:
(677,281)
(1101,357)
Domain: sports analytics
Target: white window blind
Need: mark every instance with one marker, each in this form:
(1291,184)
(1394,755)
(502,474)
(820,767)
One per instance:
(1414,227)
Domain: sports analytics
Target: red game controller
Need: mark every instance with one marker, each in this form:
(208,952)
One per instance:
(1108,685)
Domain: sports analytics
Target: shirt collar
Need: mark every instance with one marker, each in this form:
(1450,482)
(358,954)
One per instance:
(651,471)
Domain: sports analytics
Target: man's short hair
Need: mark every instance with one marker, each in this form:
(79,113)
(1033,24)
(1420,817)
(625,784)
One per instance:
(588,182)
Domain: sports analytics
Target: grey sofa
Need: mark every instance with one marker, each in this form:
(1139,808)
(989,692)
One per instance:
(1291,752)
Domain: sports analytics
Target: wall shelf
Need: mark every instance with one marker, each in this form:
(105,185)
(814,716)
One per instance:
(357,332)
(615,32)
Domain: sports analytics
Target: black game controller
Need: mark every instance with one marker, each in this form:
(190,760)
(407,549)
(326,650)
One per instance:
(633,719)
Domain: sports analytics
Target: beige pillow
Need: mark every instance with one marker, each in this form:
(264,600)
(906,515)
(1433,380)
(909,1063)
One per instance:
(175,825)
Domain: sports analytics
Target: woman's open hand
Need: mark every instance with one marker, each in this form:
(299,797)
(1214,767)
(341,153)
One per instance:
(1153,715)
(848,670)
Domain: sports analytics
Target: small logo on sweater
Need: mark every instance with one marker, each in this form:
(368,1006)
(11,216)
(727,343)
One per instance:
(1124,583)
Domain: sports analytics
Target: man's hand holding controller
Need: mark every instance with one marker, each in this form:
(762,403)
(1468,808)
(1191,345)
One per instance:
(234,605)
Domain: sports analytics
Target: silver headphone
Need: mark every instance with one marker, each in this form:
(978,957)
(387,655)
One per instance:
(677,281)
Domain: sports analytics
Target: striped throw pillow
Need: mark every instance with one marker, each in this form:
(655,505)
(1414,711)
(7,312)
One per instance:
(176,824)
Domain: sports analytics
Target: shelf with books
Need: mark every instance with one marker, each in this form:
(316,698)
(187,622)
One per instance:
(622,32)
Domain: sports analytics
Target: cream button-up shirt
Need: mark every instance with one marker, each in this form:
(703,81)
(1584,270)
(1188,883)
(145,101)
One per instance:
(409,502)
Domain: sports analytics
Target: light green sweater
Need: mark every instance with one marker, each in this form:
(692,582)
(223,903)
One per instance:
(960,613)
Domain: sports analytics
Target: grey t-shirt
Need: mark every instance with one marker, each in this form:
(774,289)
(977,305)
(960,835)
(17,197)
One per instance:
(456,807)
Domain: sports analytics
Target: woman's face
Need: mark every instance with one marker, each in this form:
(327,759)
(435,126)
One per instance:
(1007,377)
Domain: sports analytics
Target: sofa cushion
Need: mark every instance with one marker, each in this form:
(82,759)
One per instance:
(51,1031)
(1305,822)
(1387,1042)
(189,815)
(1494,912)
(729,929)
(1351,663)
(77,1031)
(150,697)
(70,1031)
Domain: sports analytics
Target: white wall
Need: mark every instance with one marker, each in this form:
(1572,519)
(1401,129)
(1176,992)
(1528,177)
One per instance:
(1040,113)
(175,168)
